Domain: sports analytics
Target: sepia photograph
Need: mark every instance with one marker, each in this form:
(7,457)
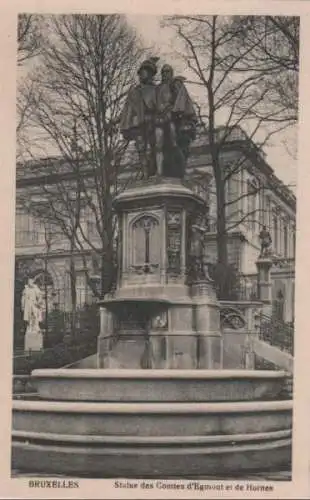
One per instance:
(155,234)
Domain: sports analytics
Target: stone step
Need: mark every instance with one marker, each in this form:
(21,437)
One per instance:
(151,419)
(144,441)
(153,461)
(158,385)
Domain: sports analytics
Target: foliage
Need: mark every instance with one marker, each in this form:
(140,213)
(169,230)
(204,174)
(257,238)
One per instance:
(55,357)
(227,280)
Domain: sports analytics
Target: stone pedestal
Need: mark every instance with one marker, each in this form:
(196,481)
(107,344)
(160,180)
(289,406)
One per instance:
(33,340)
(264,265)
(157,317)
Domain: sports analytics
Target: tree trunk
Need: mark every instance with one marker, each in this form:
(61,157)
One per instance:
(46,340)
(222,240)
(73,291)
(107,271)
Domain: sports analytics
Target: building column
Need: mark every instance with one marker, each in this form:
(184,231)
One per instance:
(289,301)
(164,247)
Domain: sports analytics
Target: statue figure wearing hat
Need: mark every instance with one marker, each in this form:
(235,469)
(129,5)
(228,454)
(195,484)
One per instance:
(176,124)
(138,116)
(161,120)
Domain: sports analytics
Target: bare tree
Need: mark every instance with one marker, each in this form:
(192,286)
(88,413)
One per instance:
(274,55)
(229,100)
(28,37)
(29,43)
(88,63)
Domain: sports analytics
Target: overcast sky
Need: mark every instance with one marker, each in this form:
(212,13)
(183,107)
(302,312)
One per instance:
(280,155)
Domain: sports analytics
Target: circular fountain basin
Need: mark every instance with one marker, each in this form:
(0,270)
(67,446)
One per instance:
(158,385)
(151,461)
(150,439)
(151,419)
(152,423)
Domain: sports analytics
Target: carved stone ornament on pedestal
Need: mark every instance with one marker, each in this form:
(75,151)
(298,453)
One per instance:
(144,235)
(160,322)
(174,242)
(198,268)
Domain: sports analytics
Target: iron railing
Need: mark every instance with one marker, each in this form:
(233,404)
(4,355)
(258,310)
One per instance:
(277,333)
(58,356)
(56,323)
(237,286)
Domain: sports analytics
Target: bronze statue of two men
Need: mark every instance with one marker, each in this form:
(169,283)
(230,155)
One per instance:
(161,119)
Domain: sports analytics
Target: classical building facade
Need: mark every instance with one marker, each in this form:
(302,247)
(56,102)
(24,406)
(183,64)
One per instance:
(254,197)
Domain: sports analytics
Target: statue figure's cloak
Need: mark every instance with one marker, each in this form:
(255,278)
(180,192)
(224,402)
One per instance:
(173,101)
(31,303)
(183,105)
(139,109)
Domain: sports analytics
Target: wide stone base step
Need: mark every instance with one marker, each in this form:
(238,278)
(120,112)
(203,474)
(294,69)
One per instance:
(146,441)
(158,385)
(151,461)
(151,419)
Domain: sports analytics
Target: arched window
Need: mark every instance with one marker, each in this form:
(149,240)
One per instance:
(267,212)
(294,242)
(279,298)
(252,190)
(146,242)
(279,305)
(285,237)
(275,225)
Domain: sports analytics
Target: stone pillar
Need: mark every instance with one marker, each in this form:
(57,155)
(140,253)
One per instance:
(207,326)
(124,272)
(183,244)
(159,343)
(264,265)
(105,339)
(164,249)
(181,339)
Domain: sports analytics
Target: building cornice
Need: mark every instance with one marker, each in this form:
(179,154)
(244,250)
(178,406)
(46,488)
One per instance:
(55,254)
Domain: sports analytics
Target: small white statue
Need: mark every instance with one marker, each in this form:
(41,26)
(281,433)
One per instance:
(32,307)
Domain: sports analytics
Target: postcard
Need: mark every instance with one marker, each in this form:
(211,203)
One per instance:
(154,207)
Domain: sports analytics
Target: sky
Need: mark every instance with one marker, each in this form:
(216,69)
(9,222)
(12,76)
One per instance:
(282,151)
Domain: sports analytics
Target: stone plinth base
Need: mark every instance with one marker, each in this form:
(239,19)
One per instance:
(264,265)
(33,341)
(182,333)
